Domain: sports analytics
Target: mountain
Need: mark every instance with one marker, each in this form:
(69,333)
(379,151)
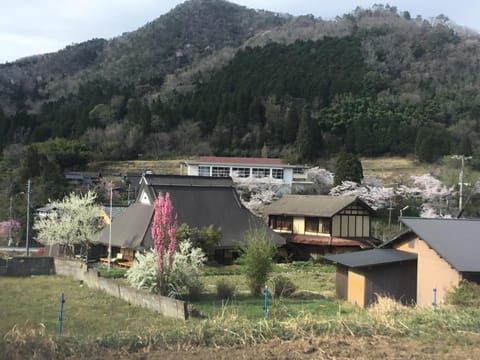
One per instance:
(212,76)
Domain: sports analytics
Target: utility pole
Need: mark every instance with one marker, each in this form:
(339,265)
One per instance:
(460,178)
(10,223)
(110,228)
(28,217)
(390,208)
(400,217)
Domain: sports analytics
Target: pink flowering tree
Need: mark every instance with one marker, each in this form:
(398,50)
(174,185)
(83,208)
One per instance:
(9,227)
(164,230)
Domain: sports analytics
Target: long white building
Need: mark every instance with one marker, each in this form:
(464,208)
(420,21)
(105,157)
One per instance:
(243,167)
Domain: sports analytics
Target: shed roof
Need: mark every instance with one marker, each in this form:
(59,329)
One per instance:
(456,240)
(312,205)
(129,227)
(373,257)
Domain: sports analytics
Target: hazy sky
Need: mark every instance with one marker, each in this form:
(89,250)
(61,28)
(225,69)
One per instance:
(29,27)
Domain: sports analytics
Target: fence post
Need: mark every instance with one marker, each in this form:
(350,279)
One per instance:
(60,315)
(265,303)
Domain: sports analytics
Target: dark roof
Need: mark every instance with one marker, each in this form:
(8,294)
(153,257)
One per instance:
(374,257)
(456,240)
(133,179)
(129,228)
(181,180)
(201,206)
(116,210)
(198,201)
(312,205)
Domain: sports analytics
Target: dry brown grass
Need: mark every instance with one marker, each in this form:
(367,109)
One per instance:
(170,167)
(31,343)
(393,170)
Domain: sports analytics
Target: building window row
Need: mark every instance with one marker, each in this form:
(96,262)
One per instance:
(220,171)
(277,174)
(204,171)
(317,225)
(279,222)
(242,172)
(260,172)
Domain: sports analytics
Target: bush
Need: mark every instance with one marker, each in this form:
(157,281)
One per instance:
(113,273)
(181,280)
(282,286)
(465,294)
(257,259)
(226,289)
(195,291)
(143,273)
(184,277)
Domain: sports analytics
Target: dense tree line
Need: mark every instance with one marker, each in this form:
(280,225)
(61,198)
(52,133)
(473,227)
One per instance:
(373,82)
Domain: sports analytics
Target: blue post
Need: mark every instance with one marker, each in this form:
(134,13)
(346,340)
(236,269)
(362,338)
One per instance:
(265,303)
(434,299)
(60,315)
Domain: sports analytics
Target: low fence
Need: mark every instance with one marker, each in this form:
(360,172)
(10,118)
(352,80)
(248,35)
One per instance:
(161,304)
(27,266)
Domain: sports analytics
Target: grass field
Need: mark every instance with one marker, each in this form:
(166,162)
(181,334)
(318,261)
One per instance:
(95,322)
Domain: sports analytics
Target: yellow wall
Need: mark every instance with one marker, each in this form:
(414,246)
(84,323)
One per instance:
(366,226)
(432,272)
(356,288)
(350,226)
(298,225)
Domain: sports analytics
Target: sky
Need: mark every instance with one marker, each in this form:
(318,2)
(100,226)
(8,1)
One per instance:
(30,27)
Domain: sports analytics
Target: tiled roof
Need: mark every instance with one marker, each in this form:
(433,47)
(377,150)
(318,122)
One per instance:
(310,205)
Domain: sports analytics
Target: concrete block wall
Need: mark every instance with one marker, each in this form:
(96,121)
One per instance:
(27,266)
(161,304)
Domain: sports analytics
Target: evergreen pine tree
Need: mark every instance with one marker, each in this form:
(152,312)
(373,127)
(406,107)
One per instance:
(309,138)
(348,168)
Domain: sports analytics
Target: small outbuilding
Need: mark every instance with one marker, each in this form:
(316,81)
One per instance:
(420,265)
(364,275)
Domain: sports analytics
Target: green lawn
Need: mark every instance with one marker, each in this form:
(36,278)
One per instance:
(31,301)
(94,320)
(315,287)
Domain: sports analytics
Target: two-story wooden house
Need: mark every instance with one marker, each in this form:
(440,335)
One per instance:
(322,223)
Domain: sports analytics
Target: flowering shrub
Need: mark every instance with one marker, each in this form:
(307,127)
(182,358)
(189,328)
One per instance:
(178,280)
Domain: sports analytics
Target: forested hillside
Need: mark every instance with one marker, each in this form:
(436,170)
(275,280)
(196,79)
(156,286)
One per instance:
(212,77)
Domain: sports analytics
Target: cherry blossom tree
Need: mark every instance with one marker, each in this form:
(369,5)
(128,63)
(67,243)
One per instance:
(164,230)
(75,221)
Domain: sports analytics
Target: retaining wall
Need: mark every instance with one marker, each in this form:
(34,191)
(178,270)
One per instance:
(161,304)
(27,266)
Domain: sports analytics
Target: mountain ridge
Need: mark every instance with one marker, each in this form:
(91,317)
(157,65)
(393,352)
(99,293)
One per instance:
(170,79)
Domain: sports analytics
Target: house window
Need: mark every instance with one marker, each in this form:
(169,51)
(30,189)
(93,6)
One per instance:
(220,171)
(241,172)
(260,172)
(311,224)
(277,173)
(282,223)
(298,171)
(204,171)
(324,226)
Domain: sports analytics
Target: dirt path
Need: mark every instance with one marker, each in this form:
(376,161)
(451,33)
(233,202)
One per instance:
(362,348)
